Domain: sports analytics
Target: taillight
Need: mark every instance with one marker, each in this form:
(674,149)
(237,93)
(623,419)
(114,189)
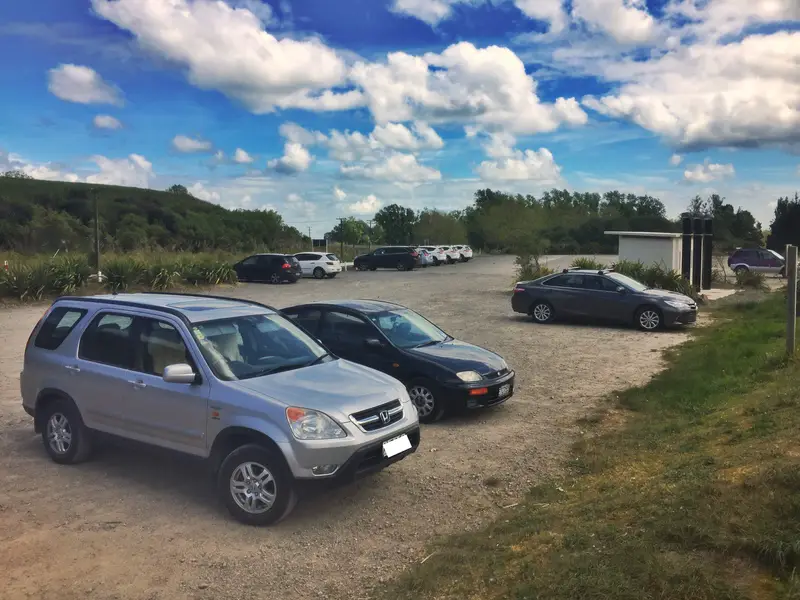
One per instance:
(286,266)
(330,264)
(517,290)
(414,254)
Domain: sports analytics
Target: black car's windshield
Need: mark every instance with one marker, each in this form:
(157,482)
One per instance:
(636,286)
(255,345)
(407,329)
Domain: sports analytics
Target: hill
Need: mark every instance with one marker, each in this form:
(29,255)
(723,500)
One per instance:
(44,216)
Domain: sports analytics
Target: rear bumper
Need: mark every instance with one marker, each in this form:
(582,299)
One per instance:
(462,396)
(521,303)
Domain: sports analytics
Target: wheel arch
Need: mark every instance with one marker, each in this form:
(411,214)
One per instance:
(43,399)
(235,436)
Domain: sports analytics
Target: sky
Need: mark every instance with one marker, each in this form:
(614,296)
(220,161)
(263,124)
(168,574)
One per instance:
(322,109)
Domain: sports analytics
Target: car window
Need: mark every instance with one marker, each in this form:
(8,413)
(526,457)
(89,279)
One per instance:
(407,329)
(380,252)
(57,326)
(332,257)
(764,255)
(308,319)
(572,280)
(161,346)
(305,257)
(596,282)
(624,280)
(345,328)
(249,262)
(109,340)
(266,261)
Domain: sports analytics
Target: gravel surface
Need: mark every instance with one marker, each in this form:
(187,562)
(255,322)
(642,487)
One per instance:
(145,524)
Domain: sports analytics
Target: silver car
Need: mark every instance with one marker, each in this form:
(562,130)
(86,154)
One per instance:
(227,380)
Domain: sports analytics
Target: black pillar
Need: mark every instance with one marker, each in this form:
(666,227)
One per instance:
(708,238)
(697,252)
(686,256)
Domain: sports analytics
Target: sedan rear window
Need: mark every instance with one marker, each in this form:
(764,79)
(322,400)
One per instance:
(57,326)
(332,257)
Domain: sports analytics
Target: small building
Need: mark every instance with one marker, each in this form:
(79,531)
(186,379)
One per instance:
(650,247)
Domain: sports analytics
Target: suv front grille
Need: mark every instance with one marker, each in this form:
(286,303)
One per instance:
(378,417)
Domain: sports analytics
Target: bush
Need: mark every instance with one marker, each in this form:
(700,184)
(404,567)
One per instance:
(656,276)
(123,273)
(528,268)
(589,264)
(35,279)
(752,280)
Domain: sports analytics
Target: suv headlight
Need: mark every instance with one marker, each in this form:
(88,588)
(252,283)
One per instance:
(469,376)
(676,304)
(307,424)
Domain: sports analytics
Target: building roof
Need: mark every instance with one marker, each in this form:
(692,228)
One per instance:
(644,234)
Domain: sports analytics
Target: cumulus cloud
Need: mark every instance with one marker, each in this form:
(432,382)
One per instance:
(675,160)
(183,143)
(530,165)
(550,11)
(226,48)
(133,171)
(708,172)
(76,83)
(339,194)
(199,190)
(106,122)
(44,171)
(429,11)
(716,19)
(296,159)
(399,168)
(626,21)
(368,205)
(242,157)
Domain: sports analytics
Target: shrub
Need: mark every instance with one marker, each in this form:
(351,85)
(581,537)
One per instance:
(161,277)
(69,274)
(207,271)
(656,276)
(528,268)
(588,263)
(26,280)
(752,280)
(123,272)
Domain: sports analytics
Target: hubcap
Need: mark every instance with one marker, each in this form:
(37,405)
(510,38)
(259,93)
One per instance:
(319,273)
(59,433)
(649,319)
(541,312)
(400,266)
(275,279)
(253,488)
(423,399)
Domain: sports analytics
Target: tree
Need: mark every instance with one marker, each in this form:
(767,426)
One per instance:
(436,227)
(16,174)
(349,231)
(785,227)
(397,223)
(178,189)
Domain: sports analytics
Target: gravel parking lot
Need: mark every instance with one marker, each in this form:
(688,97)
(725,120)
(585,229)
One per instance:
(143,524)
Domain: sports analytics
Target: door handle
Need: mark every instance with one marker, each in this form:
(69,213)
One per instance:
(138,384)
(73,369)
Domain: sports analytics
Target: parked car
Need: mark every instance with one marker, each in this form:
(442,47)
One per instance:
(274,268)
(437,254)
(758,260)
(402,258)
(452,255)
(230,381)
(425,257)
(319,265)
(603,295)
(441,373)
(464,253)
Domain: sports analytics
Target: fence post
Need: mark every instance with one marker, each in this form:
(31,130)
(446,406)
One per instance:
(791,292)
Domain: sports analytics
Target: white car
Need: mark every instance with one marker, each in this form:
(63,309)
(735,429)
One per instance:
(319,265)
(453,255)
(464,252)
(438,255)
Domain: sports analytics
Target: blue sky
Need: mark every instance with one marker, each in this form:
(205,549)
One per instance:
(321,109)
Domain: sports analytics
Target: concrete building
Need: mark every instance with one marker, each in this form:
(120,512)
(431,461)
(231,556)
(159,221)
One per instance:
(649,247)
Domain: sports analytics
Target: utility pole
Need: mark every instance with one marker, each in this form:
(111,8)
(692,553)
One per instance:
(369,235)
(791,292)
(310,239)
(341,238)
(97,233)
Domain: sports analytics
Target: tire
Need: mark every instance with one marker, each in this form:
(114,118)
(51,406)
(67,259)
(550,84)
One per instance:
(274,477)
(542,312)
(373,268)
(423,394)
(332,275)
(649,318)
(361,267)
(275,279)
(463,258)
(401,267)
(61,418)
(741,270)
(319,273)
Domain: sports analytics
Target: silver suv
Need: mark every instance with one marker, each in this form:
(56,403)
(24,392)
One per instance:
(227,380)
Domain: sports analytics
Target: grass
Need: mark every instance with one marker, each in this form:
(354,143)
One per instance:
(696,497)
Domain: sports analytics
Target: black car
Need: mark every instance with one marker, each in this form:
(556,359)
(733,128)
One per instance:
(274,268)
(402,258)
(602,295)
(440,372)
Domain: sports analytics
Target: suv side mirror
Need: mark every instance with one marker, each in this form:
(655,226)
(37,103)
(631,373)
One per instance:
(180,373)
(373,343)
(621,289)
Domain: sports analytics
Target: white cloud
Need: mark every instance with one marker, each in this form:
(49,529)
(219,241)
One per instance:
(185,144)
(297,205)
(708,172)
(227,49)
(296,158)
(339,194)
(675,160)
(529,165)
(551,11)
(399,137)
(133,171)
(367,205)
(76,83)
(715,19)
(626,21)
(399,168)
(106,122)
(500,145)
(429,11)
(242,157)
(198,190)
(485,86)
(44,171)
(745,93)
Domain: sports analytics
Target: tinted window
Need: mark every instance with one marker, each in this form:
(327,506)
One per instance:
(345,328)
(250,261)
(571,281)
(308,319)
(162,346)
(57,326)
(332,257)
(408,329)
(109,340)
(595,282)
(380,251)
(306,257)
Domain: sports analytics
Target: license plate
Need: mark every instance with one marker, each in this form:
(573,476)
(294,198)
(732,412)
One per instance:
(504,390)
(396,446)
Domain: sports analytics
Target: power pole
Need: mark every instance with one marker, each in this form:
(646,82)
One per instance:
(310,239)
(791,291)
(341,238)
(369,235)
(96,233)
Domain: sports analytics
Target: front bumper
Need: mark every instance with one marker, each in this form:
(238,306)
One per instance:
(458,396)
(674,318)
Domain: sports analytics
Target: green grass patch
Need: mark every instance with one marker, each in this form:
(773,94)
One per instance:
(696,496)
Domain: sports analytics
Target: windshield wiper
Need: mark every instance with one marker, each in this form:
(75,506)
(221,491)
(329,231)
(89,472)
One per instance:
(428,343)
(318,360)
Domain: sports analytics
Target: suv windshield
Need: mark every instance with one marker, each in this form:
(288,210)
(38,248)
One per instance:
(255,345)
(636,286)
(407,329)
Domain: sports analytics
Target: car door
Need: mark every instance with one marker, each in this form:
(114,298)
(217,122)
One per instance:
(604,300)
(247,268)
(266,267)
(566,294)
(172,415)
(378,258)
(772,265)
(346,335)
(306,265)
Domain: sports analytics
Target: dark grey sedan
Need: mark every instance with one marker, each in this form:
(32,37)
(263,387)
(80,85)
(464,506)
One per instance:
(602,295)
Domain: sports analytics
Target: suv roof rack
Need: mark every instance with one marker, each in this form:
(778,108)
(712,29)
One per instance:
(568,269)
(213,297)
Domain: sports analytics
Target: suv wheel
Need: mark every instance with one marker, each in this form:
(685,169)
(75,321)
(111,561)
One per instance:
(274,278)
(319,273)
(648,318)
(361,267)
(66,439)
(400,266)
(542,312)
(741,270)
(422,394)
(256,486)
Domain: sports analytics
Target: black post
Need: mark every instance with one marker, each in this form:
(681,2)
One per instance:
(697,252)
(708,238)
(96,231)
(686,257)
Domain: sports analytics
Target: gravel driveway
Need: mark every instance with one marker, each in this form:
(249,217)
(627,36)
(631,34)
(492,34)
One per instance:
(144,524)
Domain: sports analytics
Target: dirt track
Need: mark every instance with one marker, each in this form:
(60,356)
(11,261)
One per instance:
(146,525)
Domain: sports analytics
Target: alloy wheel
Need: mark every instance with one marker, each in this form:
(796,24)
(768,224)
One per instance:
(274,278)
(649,319)
(423,399)
(542,312)
(59,433)
(253,488)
